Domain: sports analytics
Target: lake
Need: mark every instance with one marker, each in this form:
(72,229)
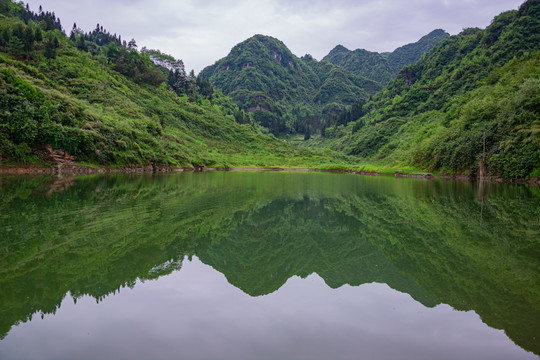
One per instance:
(267,265)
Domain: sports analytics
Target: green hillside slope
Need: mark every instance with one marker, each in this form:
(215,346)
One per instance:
(435,114)
(282,92)
(366,63)
(411,53)
(103,102)
(289,95)
(383,67)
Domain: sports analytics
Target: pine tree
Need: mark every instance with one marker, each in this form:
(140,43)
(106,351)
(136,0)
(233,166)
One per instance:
(178,81)
(28,40)
(15,46)
(5,36)
(132,44)
(50,48)
(18,31)
(81,43)
(38,35)
(112,52)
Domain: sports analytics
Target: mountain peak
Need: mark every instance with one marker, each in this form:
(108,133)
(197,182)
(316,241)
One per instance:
(340,48)
(436,36)
(411,53)
(383,67)
(436,32)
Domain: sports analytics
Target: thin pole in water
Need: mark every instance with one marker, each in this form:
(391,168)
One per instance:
(483,170)
(484,152)
(482,176)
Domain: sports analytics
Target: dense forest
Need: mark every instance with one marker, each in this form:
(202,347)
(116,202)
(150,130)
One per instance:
(283,93)
(289,95)
(383,67)
(107,103)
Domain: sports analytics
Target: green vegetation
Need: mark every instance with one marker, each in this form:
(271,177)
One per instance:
(288,95)
(108,104)
(435,114)
(411,53)
(384,67)
(104,102)
(283,93)
(371,65)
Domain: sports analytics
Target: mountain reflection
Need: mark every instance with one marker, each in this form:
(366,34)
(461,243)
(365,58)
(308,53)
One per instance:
(437,241)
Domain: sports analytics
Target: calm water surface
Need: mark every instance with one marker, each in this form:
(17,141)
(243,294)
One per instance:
(265,265)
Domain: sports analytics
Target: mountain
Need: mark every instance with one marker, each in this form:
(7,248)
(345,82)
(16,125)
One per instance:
(288,95)
(94,99)
(370,64)
(91,98)
(411,53)
(282,92)
(384,67)
(480,86)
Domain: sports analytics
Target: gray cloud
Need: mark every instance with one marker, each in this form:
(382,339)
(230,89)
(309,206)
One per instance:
(201,32)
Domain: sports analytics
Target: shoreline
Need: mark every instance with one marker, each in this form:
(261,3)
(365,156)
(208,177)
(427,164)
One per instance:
(87,170)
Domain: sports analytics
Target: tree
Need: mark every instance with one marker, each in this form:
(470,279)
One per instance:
(204,87)
(38,36)
(132,44)
(307,134)
(241,117)
(190,86)
(50,47)
(178,81)
(5,36)
(15,46)
(81,43)
(275,126)
(112,52)
(72,34)
(18,31)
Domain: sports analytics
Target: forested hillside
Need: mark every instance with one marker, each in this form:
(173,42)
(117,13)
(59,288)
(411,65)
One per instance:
(105,103)
(96,99)
(411,53)
(289,95)
(363,62)
(282,92)
(384,67)
(435,114)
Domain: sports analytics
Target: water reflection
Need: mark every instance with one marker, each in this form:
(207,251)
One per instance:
(439,242)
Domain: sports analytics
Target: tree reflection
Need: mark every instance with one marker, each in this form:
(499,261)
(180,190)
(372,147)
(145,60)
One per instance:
(102,233)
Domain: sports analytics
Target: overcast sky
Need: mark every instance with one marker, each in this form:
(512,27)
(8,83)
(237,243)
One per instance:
(202,32)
